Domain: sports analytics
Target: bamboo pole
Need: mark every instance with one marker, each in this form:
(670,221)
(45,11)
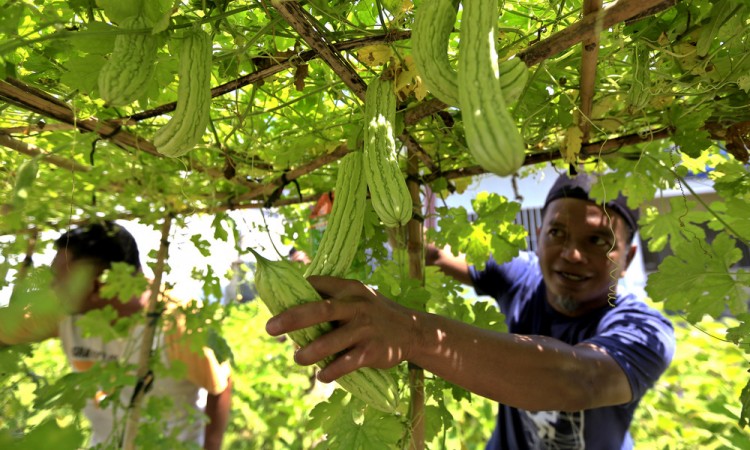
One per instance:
(28,259)
(144,356)
(415,249)
(588,70)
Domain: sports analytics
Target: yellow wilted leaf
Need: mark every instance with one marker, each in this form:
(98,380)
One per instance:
(407,79)
(420,90)
(572,144)
(375,55)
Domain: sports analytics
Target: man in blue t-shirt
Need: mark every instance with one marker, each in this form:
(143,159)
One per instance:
(578,355)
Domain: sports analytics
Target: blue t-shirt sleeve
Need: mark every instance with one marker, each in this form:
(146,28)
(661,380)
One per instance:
(503,282)
(641,340)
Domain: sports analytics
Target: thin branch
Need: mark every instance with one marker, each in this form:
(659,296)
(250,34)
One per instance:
(143,373)
(25,97)
(38,127)
(587,26)
(412,145)
(306,27)
(268,188)
(279,64)
(33,151)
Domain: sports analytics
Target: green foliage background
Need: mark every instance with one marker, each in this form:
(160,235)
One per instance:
(274,138)
(693,405)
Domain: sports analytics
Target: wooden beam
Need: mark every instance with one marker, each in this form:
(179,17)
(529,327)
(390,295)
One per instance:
(586,28)
(309,30)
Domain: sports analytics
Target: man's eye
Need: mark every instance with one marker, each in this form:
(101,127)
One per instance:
(601,242)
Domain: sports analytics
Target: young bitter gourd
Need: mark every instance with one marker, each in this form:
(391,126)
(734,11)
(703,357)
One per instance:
(127,72)
(640,94)
(281,286)
(186,127)
(388,191)
(433,24)
(491,133)
(340,239)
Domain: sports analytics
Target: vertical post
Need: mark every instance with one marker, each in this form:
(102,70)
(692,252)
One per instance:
(588,69)
(28,259)
(415,249)
(144,354)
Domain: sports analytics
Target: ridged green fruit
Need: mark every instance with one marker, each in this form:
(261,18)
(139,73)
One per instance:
(433,25)
(281,286)
(491,133)
(127,72)
(639,94)
(188,123)
(388,191)
(340,239)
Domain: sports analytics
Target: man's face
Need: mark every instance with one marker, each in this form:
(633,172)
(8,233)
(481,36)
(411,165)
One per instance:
(582,251)
(74,281)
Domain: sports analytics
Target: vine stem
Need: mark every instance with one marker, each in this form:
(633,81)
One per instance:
(708,208)
(144,356)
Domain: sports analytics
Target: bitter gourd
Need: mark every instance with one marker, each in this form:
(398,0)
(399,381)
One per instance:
(280,286)
(388,191)
(186,127)
(433,25)
(127,72)
(491,133)
(340,239)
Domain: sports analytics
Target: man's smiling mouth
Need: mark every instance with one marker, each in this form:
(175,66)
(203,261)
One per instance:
(571,276)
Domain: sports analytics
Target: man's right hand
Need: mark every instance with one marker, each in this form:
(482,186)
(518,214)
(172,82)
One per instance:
(453,266)
(431,254)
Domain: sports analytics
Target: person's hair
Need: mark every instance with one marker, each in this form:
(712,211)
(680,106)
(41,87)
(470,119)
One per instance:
(104,242)
(579,187)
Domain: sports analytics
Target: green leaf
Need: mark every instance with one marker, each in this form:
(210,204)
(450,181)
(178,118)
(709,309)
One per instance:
(97,39)
(673,227)
(106,324)
(349,424)
(690,134)
(83,73)
(120,282)
(13,13)
(64,437)
(220,233)
(745,400)
(740,334)
(698,280)
(493,232)
(219,345)
(731,179)
(202,245)
(118,10)
(488,316)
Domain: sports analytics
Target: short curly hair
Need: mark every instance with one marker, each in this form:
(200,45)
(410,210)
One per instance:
(105,242)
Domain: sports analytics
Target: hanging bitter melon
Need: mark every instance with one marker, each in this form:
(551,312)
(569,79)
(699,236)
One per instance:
(388,191)
(188,123)
(280,286)
(491,133)
(340,239)
(126,74)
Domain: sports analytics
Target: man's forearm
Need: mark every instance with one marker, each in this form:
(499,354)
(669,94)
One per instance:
(218,407)
(529,372)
